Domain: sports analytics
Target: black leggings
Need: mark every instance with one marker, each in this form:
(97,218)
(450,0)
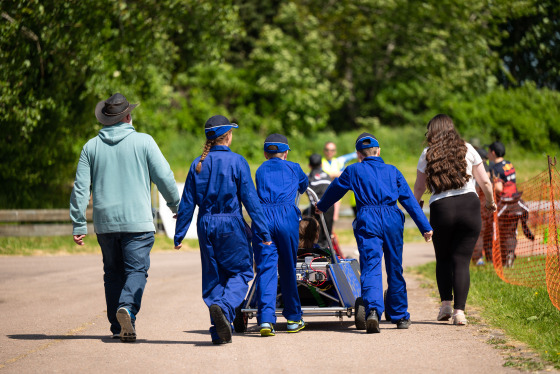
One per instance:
(456,223)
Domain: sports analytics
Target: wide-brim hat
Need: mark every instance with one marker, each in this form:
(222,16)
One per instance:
(113,110)
(217,126)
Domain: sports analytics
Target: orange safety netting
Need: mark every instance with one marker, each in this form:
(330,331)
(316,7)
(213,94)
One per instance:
(522,237)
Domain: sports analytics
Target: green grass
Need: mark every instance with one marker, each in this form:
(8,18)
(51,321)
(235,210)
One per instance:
(412,235)
(345,236)
(64,245)
(400,146)
(524,314)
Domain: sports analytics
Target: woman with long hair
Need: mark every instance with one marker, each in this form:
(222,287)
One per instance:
(218,182)
(446,168)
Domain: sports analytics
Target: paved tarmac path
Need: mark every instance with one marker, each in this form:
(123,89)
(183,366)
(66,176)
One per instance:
(53,320)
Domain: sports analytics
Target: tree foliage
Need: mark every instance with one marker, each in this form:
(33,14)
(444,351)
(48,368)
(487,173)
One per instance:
(530,46)
(58,58)
(293,66)
(525,115)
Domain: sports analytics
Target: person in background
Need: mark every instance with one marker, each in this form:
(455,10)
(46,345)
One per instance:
(447,167)
(218,182)
(117,168)
(278,183)
(319,182)
(511,208)
(334,166)
(378,229)
(483,246)
(503,170)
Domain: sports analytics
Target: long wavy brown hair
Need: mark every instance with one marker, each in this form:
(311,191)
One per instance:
(446,164)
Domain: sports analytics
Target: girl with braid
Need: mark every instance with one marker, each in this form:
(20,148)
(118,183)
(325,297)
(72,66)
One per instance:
(218,182)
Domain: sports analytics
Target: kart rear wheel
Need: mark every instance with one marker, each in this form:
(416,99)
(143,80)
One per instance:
(240,321)
(360,314)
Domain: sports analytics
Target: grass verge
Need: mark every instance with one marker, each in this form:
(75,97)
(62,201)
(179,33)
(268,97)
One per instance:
(524,314)
(64,245)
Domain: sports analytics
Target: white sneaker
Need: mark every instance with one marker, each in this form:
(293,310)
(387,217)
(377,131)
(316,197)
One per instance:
(459,318)
(509,260)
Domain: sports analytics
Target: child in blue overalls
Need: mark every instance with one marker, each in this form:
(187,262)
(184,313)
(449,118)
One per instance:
(218,182)
(378,229)
(278,183)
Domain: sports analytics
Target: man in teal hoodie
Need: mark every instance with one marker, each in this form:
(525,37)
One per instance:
(117,168)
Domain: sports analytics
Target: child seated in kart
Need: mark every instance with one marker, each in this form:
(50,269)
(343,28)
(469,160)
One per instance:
(312,260)
(309,237)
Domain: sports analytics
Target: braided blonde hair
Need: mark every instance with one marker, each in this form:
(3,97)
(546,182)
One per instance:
(209,144)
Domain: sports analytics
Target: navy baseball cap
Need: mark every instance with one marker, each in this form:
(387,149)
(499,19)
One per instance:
(217,126)
(366,136)
(279,141)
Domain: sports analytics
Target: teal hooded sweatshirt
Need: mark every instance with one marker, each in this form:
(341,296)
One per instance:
(118,166)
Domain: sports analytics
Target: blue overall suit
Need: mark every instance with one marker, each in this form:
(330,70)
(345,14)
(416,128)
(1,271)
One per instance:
(224,237)
(278,183)
(378,229)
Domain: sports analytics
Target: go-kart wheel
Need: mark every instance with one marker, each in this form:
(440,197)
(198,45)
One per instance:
(360,314)
(387,318)
(240,321)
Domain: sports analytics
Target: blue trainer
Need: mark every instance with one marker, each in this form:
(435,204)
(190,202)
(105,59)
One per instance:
(267,329)
(295,326)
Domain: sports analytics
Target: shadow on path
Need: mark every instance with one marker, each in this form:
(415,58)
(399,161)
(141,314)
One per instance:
(105,339)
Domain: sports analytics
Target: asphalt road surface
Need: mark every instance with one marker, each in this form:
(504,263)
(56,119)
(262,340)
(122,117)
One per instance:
(52,319)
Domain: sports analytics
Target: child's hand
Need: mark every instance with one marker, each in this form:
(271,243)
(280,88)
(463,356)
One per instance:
(317,211)
(428,236)
(177,247)
(267,243)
